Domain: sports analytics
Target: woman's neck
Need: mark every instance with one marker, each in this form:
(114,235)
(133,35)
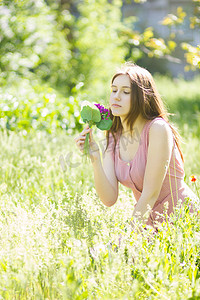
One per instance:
(137,126)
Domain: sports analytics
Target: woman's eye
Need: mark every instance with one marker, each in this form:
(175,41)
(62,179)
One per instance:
(126,92)
(114,91)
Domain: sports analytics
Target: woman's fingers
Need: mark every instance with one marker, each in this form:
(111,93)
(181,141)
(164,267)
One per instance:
(84,133)
(80,144)
(80,140)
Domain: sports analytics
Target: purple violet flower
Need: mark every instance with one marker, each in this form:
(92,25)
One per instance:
(105,113)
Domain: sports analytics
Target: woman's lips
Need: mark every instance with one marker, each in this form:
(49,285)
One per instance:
(116,105)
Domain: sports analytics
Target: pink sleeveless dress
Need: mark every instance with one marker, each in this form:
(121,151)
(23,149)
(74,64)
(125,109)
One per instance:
(131,174)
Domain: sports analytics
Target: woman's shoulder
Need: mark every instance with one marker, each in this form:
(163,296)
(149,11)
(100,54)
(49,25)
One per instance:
(159,125)
(159,128)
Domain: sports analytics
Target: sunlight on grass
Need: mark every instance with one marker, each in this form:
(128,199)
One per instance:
(59,242)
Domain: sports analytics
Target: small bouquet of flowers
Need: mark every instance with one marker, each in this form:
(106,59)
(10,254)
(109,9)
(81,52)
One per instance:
(95,114)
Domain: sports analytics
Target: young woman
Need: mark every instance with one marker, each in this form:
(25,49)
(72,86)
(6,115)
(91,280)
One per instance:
(143,148)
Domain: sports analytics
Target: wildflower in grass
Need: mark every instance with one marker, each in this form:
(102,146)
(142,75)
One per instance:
(95,114)
(194,179)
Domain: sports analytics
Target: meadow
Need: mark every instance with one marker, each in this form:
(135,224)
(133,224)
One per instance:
(57,241)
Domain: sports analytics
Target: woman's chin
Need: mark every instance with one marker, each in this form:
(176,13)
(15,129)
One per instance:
(115,114)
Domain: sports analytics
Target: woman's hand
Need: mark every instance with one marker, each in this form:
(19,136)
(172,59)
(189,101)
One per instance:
(93,147)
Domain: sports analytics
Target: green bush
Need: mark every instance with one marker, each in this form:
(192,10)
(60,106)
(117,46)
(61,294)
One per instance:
(32,42)
(32,106)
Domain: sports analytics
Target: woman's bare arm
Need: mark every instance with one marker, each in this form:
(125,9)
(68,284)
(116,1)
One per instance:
(158,158)
(105,180)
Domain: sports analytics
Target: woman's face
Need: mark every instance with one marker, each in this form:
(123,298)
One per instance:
(120,98)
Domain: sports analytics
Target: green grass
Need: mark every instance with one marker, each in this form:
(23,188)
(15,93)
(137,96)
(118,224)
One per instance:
(57,241)
(56,235)
(182,98)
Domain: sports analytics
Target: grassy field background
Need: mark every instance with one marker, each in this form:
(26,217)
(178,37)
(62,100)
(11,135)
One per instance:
(57,241)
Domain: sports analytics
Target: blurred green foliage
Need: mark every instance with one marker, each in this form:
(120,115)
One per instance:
(182,99)
(54,45)
(70,48)
(174,21)
(44,42)
(31,106)
(31,42)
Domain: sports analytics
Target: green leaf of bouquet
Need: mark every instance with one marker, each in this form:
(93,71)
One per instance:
(90,112)
(104,124)
(96,116)
(86,113)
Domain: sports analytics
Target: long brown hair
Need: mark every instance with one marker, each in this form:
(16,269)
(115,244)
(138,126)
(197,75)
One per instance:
(145,100)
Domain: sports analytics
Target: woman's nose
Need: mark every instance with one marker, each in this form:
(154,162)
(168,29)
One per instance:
(117,96)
